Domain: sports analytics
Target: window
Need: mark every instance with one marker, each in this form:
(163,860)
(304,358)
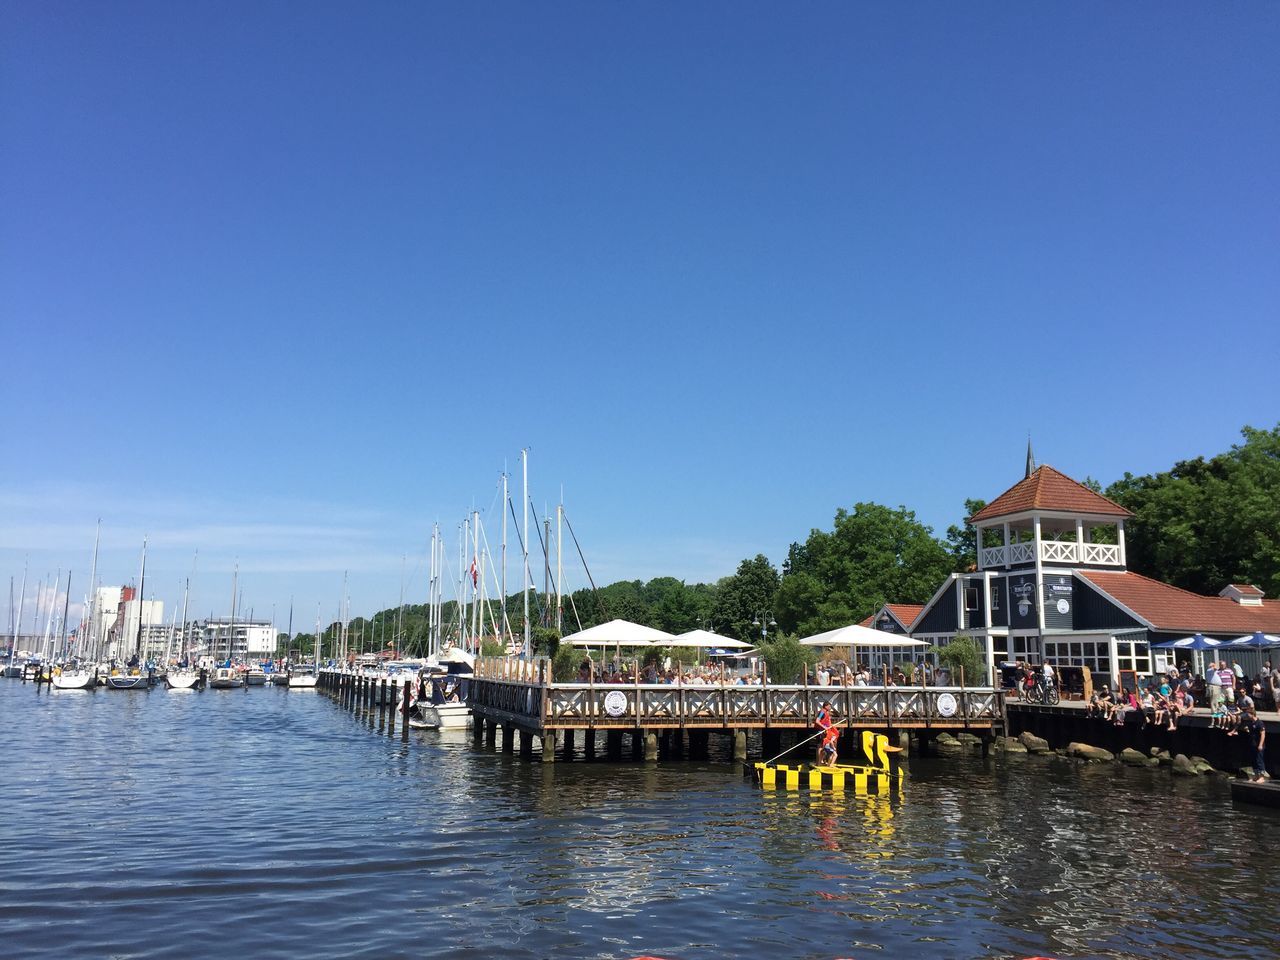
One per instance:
(971,598)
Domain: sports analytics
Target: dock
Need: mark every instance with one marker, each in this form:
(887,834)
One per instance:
(520,698)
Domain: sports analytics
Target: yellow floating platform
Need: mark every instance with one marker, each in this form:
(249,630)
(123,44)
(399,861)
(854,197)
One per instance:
(880,775)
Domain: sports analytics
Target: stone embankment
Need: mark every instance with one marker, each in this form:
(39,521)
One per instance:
(1029,744)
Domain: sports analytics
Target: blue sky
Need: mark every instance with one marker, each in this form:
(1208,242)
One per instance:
(288,282)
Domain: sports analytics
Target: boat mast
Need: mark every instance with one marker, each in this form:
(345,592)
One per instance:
(524,464)
(231,629)
(66,609)
(506,629)
(290,633)
(186,593)
(17,622)
(142,585)
(560,564)
(93,594)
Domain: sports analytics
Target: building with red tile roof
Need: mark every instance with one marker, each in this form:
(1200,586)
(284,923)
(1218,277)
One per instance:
(1052,584)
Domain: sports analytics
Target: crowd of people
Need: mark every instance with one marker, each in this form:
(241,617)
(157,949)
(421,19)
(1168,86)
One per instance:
(1232,699)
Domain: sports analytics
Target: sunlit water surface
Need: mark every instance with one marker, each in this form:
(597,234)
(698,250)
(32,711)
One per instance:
(265,823)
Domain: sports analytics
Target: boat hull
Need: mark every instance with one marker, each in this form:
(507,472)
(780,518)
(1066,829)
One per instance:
(303,681)
(181,679)
(442,716)
(74,680)
(122,682)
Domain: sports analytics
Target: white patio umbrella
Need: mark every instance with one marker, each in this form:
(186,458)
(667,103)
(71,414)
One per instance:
(619,633)
(705,638)
(855,635)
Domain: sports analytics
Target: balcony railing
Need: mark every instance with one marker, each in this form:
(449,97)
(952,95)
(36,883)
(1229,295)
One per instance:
(1052,551)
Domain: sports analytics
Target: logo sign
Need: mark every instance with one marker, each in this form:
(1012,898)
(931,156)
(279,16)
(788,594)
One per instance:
(615,703)
(1063,606)
(947,704)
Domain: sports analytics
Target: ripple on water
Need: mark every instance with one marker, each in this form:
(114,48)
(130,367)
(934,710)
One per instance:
(270,824)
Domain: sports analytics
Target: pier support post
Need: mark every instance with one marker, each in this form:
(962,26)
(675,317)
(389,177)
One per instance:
(549,746)
(739,745)
(566,740)
(404,712)
(698,744)
(613,744)
(526,744)
(508,737)
(490,734)
(382,697)
(589,744)
(650,747)
(477,731)
(904,741)
(772,743)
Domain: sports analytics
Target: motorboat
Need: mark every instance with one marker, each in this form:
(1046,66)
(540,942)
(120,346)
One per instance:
(226,678)
(255,677)
(302,678)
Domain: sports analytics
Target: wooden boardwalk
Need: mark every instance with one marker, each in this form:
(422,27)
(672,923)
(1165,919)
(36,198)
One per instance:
(519,694)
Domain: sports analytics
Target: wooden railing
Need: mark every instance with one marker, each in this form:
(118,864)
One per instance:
(521,691)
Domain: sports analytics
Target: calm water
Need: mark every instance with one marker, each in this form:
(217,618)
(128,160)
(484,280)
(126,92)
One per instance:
(273,824)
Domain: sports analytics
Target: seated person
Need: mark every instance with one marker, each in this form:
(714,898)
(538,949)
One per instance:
(1231,717)
(1148,706)
(1106,703)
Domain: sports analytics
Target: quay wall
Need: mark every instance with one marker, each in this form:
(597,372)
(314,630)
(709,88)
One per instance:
(1062,725)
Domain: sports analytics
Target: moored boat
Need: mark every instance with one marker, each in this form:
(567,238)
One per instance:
(226,678)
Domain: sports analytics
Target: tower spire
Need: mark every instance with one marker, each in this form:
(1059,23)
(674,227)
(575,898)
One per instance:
(1031,460)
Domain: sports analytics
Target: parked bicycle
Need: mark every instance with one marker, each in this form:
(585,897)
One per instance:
(1039,692)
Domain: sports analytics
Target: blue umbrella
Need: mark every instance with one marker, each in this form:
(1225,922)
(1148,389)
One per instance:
(1198,642)
(1257,640)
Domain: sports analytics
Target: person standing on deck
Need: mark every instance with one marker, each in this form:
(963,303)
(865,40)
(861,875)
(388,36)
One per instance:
(830,734)
(1258,734)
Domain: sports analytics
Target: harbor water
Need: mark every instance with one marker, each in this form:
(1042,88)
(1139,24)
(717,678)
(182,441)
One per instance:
(270,823)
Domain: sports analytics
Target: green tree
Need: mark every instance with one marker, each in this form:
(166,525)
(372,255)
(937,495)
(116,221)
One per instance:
(1206,523)
(962,541)
(873,555)
(741,598)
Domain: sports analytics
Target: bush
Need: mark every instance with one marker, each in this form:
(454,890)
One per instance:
(545,641)
(565,664)
(963,652)
(492,648)
(786,659)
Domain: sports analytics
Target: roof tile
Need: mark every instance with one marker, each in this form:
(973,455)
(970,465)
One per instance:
(1049,489)
(1170,608)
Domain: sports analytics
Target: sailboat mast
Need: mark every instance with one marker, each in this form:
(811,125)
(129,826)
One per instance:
(524,465)
(17,621)
(290,631)
(66,608)
(186,594)
(231,629)
(505,631)
(142,586)
(560,564)
(87,635)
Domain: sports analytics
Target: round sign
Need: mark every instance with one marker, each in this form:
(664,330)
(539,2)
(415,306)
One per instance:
(615,703)
(1063,606)
(946,704)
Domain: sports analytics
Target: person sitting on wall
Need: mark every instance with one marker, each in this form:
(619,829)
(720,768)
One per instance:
(1125,703)
(1106,703)
(1163,714)
(1257,731)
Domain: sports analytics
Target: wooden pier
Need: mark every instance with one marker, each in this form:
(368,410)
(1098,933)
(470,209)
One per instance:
(519,696)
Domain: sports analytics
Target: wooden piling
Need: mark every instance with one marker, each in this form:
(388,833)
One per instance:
(526,744)
(739,745)
(404,712)
(650,747)
(549,746)
(508,738)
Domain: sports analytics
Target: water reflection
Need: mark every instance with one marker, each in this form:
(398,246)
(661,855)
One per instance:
(316,835)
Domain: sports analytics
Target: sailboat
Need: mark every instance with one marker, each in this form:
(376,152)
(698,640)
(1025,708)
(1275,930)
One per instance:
(133,677)
(73,674)
(227,677)
(183,676)
(14,670)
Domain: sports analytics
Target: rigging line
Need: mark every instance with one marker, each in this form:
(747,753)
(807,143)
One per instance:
(488,602)
(590,579)
(575,612)
(546,557)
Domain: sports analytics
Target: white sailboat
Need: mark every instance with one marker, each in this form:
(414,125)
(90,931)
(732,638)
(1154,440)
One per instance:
(133,677)
(183,676)
(72,674)
(14,670)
